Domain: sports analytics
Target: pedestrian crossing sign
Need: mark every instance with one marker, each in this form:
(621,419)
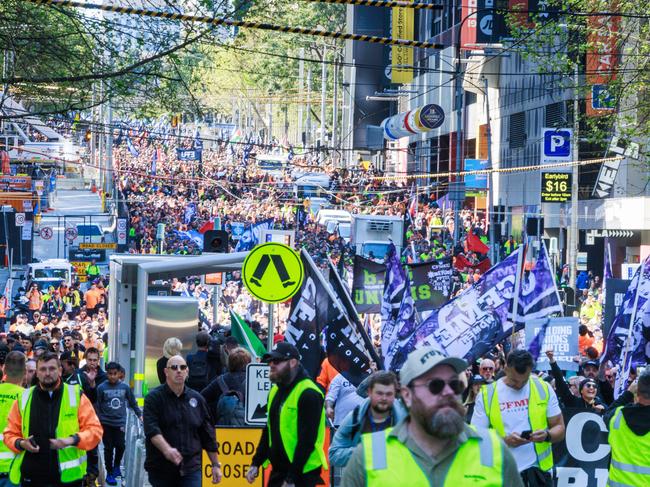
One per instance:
(273,272)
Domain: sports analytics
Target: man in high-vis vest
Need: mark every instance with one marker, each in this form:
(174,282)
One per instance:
(433,445)
(10,390)
(524,411)
(294,436)
(629,436)
(45,459)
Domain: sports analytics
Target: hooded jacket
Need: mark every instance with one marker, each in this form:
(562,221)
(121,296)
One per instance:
(637,417)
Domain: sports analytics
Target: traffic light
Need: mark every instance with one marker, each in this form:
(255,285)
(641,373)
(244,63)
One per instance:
(215,241)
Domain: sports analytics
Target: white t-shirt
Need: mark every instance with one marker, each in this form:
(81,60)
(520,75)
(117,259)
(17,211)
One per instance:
(514,411)
(344,396)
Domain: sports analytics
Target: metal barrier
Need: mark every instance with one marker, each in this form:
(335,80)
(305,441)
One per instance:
(135,450)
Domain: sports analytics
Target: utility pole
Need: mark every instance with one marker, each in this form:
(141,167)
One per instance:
(270,121)
(575,155)
(493,244)
(308,128)
(301,88)
(335,113)
(323,98)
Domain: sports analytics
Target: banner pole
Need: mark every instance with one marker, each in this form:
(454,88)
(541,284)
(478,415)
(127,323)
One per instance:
(515,298)
(269,344)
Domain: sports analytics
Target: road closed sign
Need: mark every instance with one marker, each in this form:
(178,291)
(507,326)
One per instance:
(236,447)
(258,386)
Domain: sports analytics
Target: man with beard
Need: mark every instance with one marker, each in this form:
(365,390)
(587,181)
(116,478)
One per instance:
(50,428)
(524,411)
(381,410)
(294,436)
(432,445)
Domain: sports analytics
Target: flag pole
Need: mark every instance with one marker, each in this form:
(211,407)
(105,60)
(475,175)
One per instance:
(269,340)
(515,298)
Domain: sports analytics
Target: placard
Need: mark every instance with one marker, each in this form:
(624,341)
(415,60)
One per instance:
(561,337)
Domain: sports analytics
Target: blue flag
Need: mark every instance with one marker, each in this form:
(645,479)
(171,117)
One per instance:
(394,286)
(252,235)
(129,143)
(474,322)
(535,347)
(627,342)
(405,325)
(190,211)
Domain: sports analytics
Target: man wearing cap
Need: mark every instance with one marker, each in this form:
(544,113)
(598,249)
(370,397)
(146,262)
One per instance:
(524,411)
(294,436)
(590,369)
(433,445)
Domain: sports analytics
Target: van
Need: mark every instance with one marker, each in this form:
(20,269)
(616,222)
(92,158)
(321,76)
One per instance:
(48,273)
(340,216)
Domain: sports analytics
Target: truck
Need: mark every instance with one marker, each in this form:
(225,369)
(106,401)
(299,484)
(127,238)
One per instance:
(48,273)
(371,235)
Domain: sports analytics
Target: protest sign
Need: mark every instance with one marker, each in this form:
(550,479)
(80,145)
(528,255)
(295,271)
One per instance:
(561,337)
(367,285)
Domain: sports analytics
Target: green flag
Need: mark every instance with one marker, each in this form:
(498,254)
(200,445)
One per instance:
(245,336)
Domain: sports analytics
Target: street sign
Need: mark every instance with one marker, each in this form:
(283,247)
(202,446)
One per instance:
(286,237)
(27,230)
(71,233)
(101,245)
(46,233)
(556,145)
(80,269)
(556,187)
(592,234)
(602,98)
(38,186)
(236,447)
(216,278)
(121,231)
(20,219)
(27,206)
(258,386)
(273,272)
(582,261)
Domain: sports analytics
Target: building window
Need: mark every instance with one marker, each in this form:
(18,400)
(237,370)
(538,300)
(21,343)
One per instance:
(517,130)
(555,117)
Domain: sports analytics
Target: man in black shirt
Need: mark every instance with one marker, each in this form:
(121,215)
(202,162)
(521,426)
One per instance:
(177,427)
(295,426)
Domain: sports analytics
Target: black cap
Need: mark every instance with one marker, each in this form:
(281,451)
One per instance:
(593,363)
(68,355)
(478,379)
(282,351)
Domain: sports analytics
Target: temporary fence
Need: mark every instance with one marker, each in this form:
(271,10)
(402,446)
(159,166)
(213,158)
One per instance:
(134,452)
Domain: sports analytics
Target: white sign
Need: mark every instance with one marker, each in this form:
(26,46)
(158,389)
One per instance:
(46,233)
(628,270)
(71,233)
(27,206)
(27,230)
(121,231)
(258,386)
(38,185)
(286,237)
(582,261)
(606,178)
(20,219)
(556,145)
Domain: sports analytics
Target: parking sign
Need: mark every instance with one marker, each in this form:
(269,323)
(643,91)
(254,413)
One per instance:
(556,145)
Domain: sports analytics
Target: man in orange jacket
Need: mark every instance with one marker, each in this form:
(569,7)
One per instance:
(44,461)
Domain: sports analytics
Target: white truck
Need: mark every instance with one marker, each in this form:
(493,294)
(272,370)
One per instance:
(371,235)
(48,273)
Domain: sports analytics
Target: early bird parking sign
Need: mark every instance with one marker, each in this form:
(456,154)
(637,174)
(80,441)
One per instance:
(273,272)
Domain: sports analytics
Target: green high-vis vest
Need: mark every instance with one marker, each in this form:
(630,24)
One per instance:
(8,395)
(72,460)
(630,465)
(289,425)
(389,463)
(537,406)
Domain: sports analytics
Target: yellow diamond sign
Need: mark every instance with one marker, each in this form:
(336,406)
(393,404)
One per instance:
(273,272)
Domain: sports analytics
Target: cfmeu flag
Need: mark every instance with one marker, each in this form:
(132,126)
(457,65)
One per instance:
(627,343)
(245,336)
(394,287)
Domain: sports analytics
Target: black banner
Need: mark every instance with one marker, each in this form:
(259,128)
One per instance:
(582,458)
(75,254)
(430,284)
(309,313)
(368,285)
(614,293)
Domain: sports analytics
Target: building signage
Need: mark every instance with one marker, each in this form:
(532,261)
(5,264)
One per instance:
(556,187)
(556,145)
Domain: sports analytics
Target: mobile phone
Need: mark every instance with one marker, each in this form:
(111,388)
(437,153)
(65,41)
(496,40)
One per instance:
(526,434)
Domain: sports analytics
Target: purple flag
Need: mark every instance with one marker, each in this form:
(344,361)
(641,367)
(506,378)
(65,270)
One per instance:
(394,286)
(607,271)
(405,325)
(535,347)
(627,340)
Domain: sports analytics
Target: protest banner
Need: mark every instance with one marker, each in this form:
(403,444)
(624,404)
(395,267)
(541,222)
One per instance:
(582,458)
(367,285)
(561,336)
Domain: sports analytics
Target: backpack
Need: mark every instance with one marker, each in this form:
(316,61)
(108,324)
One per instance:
(230,406)
(198,376)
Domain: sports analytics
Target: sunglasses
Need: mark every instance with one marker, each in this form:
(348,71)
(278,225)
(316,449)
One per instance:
(178,367)
(487,368)
(436,386)
(590,385)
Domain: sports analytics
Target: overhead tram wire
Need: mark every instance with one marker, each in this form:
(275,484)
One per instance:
(385,3)
(216,21)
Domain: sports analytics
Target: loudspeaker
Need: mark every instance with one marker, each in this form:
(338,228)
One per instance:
(215,241)
(531,226)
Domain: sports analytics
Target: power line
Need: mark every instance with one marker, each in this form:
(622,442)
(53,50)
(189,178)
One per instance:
(216,21)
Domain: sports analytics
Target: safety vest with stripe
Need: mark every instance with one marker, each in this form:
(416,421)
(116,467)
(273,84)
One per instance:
(388,462)
(8,395)
(538,398)
(630,465)
(72,460)
(289,422)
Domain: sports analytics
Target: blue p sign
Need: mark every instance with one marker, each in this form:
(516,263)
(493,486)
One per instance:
(557,143)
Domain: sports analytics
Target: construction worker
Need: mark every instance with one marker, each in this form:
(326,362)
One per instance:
(629,435)
(525,412)
(509,246)
(10,390)
(294,436)
(433,445)
(92,271)
(51,406)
